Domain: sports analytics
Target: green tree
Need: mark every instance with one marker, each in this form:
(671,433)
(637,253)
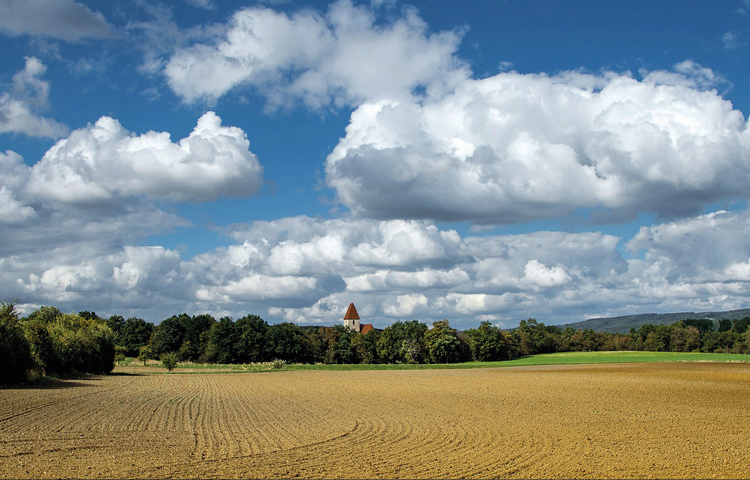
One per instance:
(443,345)
(169,360)
(115,323)
(534,337)
(224,338)
(703,325)
(285,341)
(144,354)
(685,338)
(740,326)
(120,353)
(134,333)
(366,347)
(196,336)
(487,343)
(42,346)
(725,325)
(45,315)
(403,342)
(169,335)
(253,341)
(659,339)
(15,350)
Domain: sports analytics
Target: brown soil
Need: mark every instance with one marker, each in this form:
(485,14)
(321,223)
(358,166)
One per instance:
(684,420)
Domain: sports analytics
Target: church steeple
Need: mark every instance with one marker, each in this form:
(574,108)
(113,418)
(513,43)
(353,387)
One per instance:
(351,319)
(351,313)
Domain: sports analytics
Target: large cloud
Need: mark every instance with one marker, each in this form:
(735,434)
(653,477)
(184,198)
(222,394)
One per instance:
(276,269)
(64,19)
(345,56)
(72,225)
(19,106)
(102,162)
(518,147)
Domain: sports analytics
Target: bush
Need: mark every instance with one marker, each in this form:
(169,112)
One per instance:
(14,347)
(144,354)
(120,352)
(279,363)
(169,360)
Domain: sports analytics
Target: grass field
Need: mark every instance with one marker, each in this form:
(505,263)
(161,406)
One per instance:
(566,358)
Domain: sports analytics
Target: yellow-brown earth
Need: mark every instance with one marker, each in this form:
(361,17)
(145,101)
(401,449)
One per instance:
(663,420)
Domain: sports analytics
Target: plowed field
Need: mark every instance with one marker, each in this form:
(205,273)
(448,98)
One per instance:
(689,420)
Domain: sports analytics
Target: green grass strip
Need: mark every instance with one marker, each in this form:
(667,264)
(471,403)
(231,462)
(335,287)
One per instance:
(566,358)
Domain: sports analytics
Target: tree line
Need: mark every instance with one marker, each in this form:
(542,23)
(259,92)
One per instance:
(50,342)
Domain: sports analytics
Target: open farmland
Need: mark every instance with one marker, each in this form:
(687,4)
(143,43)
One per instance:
(628,420)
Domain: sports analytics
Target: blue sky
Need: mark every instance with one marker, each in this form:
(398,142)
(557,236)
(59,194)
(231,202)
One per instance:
(425,160)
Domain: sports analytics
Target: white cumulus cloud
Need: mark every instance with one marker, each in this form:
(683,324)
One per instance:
(19,107)
(103,161)
(345,56)
(518,147)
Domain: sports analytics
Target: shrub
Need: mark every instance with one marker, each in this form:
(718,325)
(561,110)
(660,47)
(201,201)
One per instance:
(279,363)
(144,354)
(14,347)
(169,360)
(120,352)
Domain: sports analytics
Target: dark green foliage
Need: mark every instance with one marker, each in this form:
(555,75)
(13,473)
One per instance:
(92,316)
(133,334)
(403,342)
(443,345)
(581,340)
(115,323)
(15,350)
(57,343)
(740,326)
(169,334)
(42,346)
(534,338)
(366,347)
(488,343)
(341,349)
(223,340)
(197,330)
(252,346)
(285,341)
(703,325)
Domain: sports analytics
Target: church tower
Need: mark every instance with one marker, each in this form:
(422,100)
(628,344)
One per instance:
(351,319)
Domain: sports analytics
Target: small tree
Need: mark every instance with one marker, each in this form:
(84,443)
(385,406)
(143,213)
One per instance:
(169,360)
(144,354)
(120,352)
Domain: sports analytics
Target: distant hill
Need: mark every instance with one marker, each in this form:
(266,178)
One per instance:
(623,324)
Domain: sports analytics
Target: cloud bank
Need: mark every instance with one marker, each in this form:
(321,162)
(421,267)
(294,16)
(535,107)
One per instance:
(519,147)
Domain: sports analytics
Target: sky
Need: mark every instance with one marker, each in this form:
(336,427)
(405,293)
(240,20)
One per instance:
(470,161)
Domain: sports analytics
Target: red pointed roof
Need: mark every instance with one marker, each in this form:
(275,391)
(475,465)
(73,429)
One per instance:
(351,313)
